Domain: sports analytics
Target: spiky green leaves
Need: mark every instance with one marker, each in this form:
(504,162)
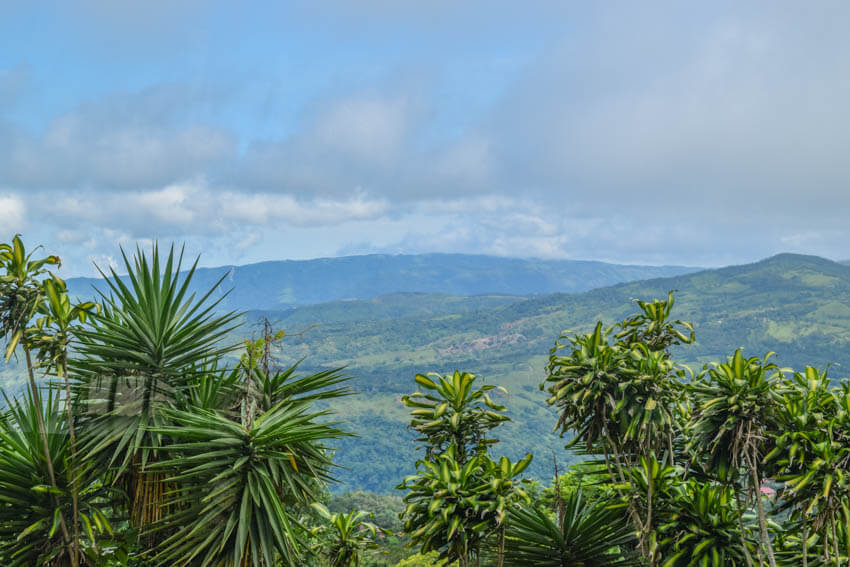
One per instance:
(589,533)
(736,406)
(20,290)
(703,530)
(453,507)
(459,496)
(235,485)
(449,410)
(30,508)
(142,354)
(343,537)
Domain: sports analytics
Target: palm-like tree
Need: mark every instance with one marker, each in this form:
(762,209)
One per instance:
(452,412)
(31,506)
(235,485)
(21,297)
(703,529)
(142,355)
(813,458)
(344,537)
(736,407)
(623,399)
(55,326)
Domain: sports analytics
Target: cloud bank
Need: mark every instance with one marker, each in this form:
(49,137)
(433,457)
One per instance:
(651,132)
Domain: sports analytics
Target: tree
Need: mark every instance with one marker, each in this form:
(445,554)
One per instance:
(812,457)
(736,411)
(451,412)
(623,399)
(703,527)
(233,484)
(56,325)
(31,504)
(20,299)
(344,537)
(459,497)
(140,356)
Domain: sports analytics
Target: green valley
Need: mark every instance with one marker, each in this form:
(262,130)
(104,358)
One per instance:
(792,304)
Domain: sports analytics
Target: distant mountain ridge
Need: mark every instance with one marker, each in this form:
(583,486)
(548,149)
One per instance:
(289,283)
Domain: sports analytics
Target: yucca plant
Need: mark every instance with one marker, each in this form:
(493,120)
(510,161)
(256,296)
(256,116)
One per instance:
(31,506)
(586,534)
(235,485)
(139,357)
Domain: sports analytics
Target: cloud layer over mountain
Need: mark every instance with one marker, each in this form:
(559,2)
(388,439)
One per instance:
(630,132)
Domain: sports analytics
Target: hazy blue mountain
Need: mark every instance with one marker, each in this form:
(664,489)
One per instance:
(288,283)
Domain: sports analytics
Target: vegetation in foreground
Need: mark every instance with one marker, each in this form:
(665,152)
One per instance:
(137,444)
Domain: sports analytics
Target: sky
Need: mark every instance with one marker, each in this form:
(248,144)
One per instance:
(640,132)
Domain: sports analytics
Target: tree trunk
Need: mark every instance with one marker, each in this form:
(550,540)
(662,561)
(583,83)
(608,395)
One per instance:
(75,486)
(763,535)
(805,541)
(747,555)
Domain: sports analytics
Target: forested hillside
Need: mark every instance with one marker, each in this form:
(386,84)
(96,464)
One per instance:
(798,306)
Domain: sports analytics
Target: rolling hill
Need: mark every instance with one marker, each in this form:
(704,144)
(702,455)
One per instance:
(798,306)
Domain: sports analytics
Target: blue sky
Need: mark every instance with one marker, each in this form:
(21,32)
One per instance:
(634,132)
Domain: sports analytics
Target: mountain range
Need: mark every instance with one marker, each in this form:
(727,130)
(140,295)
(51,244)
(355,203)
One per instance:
(290,283)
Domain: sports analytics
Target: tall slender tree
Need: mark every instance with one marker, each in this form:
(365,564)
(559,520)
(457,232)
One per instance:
(21,297)
(736,414)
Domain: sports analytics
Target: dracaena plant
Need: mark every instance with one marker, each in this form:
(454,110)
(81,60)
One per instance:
(459,496)
(703,528)
(56,324)
(454,507)
(343,538)
(812,457)
(21,297)
(623,398)
(653,326)
(736,414)
(449,410)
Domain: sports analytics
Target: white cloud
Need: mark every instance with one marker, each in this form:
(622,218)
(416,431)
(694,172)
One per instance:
(371,129)
(12,214)
(263,208)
